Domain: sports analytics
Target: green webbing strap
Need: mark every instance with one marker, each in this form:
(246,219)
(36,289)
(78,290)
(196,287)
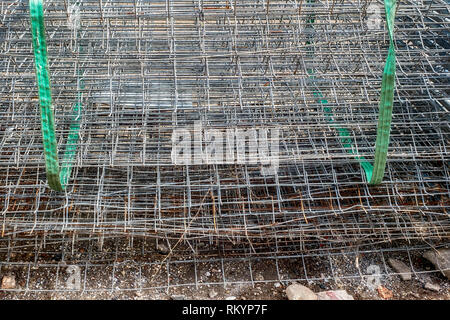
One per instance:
(375,176)
(57,178)
(375,172)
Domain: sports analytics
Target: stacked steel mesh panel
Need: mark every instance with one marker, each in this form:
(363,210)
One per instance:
(142,69)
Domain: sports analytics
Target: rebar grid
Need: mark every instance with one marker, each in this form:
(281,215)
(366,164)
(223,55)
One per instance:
(149,67)
(120,265)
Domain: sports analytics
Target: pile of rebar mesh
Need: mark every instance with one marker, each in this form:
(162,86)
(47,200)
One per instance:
(143,69)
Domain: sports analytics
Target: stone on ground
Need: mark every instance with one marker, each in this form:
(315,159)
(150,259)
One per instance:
(162,248)
(298,292)
(384,292)
(212,294)
(441,260)
(334,295)
(432,286)
(9,282)
(401,268)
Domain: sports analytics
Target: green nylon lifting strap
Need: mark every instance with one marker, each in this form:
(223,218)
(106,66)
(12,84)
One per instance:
(57,177)
(374,173)
(375,176)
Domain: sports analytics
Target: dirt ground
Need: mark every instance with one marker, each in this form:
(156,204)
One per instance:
(132,275)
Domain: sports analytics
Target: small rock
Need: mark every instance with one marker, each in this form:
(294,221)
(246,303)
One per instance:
(230,298)
(208,273)
(162,248)
(213,294)
(298,292)
(384,292)
(259,277)
(178,297)
(415,295)
(432,286)
(277,285)
(399,266)
(139,293)
(334,295)
(57,257)
(9,282)
(441,260)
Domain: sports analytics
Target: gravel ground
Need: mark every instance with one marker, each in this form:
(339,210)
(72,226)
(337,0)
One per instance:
(263,280)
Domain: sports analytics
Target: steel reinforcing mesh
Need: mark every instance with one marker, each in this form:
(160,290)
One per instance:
(148,68)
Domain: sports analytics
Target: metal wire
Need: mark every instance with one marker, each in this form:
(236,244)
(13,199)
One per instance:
(133,269)
(150,67)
